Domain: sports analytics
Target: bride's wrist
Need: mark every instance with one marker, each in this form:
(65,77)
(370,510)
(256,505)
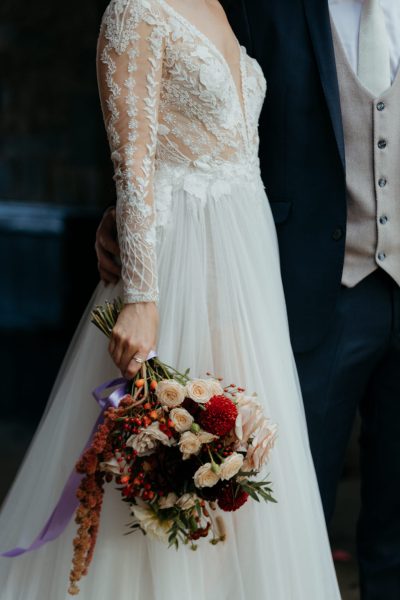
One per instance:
(140,306)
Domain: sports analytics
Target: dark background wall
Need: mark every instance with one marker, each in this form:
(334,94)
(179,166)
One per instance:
(55,180)
(51,136)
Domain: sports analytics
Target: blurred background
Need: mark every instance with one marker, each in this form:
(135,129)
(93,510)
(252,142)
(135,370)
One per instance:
(55,181)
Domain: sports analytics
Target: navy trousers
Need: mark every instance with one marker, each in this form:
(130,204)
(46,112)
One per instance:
(357,367)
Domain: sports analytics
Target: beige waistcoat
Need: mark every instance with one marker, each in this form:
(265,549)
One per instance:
(372,146)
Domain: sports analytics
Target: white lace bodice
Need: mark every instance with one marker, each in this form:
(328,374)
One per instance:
(169,97)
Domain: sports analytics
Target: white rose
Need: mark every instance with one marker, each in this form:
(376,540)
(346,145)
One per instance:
(110,466)
(168,501)
(146,441)
(215,387)
(181,419)
(189,444)
(205,437)
(231,466)
(198,390)
(170,393)
(260,448)
(205,476)
(187,501)
(150,523)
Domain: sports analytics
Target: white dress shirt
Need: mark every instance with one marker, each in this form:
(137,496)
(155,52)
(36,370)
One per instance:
(346,15)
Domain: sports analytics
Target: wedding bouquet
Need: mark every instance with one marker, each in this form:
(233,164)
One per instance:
(176,448)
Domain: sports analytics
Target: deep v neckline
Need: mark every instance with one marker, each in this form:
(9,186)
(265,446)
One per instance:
(240,92)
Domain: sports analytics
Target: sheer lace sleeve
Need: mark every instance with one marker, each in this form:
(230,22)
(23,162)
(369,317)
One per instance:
(130,52)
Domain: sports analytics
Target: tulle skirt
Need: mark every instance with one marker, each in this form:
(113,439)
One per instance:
(222,310)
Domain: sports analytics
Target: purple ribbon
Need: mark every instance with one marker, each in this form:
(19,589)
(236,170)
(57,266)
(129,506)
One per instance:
(68,502)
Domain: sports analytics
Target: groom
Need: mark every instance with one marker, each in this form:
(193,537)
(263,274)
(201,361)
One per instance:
(330,157)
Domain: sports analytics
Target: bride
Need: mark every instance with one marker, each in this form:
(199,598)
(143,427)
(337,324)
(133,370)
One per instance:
(201,283)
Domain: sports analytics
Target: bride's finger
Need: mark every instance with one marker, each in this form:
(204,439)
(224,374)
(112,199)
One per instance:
(136,360)
(111,346)
(132,369)
(127,356)
(124,345)
(116,349)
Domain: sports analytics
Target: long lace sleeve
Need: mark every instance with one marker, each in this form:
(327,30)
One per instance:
(129,66)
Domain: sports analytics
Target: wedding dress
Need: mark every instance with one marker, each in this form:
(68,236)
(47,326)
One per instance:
(197,236)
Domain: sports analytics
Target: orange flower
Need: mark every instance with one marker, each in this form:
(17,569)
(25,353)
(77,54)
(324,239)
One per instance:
(90,494)
(146,421)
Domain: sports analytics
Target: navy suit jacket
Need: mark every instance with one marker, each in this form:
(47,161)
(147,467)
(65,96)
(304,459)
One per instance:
(302,152)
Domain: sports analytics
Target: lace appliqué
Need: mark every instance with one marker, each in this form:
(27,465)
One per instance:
(132,54)
(171,105)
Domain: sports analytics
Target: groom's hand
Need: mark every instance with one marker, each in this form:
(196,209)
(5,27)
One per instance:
(107,249)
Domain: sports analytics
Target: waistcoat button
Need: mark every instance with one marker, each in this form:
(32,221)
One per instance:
(382,144)
(383,220)
(380,106)
(382,182)
(381,256)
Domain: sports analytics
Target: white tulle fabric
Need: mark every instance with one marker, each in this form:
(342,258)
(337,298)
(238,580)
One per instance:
(215,271)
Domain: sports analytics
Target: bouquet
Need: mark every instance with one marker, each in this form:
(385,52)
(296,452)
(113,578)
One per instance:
(176,448)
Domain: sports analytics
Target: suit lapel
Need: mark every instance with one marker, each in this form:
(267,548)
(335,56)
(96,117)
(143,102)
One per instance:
(317,12)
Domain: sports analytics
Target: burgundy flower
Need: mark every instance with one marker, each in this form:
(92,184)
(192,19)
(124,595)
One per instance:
(220,415)
(231,498)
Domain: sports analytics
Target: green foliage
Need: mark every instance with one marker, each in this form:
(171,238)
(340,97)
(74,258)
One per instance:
(258,490)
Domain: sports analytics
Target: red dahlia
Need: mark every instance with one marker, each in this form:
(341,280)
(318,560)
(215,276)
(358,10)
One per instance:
(220,415)
(232,498)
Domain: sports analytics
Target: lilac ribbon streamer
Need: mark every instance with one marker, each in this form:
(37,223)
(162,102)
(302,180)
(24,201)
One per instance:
(68,502)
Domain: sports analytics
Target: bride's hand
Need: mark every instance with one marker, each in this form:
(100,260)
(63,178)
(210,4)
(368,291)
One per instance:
(134,334)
